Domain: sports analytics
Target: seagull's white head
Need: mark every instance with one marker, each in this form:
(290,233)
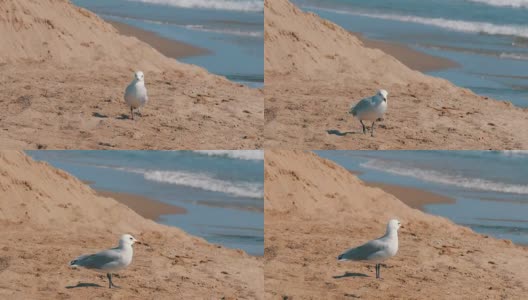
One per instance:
(393,225)
(383,94)
(127,240)
(139,76)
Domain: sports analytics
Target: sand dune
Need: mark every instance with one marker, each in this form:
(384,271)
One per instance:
(63,74)
(315,209)
(315,70)
(48,217)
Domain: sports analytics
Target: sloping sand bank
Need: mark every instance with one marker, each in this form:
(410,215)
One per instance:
(48,217)
(315,209)
(315,70)
(63,72)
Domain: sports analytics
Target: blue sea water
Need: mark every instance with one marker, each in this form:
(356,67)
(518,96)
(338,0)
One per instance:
(222,191)
(233,30)
(490,188)
(488,38)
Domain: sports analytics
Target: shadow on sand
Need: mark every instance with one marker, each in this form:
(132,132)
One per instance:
(339,133)
(83,284)
(350,274)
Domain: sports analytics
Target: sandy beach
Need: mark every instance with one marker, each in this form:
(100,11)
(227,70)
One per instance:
(316,209)
(49,217)
(64,72)
(315,70)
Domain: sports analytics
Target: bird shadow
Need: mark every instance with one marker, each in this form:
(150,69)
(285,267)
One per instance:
(98,115)
(83,284)
(339,133)
(350,274)
(123,117)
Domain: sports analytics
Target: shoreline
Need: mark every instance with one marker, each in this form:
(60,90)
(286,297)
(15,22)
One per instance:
(411,196)
(168,47)
(413,59)
(146,207)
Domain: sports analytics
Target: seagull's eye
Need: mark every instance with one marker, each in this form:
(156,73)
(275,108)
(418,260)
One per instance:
(130,238)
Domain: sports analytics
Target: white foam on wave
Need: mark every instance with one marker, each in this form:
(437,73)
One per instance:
(206,182)
(201,181)
(237,32)
(242,5)
(515,56)
(515,153)
(504,3)
(446,179)
(453,25)
(235,154)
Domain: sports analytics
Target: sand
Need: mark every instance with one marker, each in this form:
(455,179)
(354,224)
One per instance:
(315,70)
(147,208)
(315,209)
(63,72)
(48,217)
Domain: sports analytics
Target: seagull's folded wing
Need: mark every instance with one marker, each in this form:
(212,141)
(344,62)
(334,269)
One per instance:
(363,105)
(364,252)
(101,260)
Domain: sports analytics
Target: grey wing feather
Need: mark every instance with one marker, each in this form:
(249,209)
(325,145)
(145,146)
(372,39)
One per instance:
(362,252)
(364,104)
(96,261)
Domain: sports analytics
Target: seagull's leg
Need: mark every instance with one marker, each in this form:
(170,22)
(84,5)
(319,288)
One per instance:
(364,128)
(132,112)
(377,270)
(372,129)
(109,275)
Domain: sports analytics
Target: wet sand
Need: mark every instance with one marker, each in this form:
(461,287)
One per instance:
(167,47)
(414,59)
(144,206)
(413,197)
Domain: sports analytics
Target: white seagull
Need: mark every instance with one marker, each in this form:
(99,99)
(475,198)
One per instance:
(111,260)
(136,93)
(376,250)
(370,109)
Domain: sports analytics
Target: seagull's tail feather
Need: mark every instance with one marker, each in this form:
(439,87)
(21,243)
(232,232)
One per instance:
(341,257)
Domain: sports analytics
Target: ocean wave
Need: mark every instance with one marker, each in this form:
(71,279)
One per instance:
(454,25)
(446,179)
(206,182)
(504,3)
(514,153)
(225,31)
(516,56)
(199,181)
(236,154)
(246,6)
